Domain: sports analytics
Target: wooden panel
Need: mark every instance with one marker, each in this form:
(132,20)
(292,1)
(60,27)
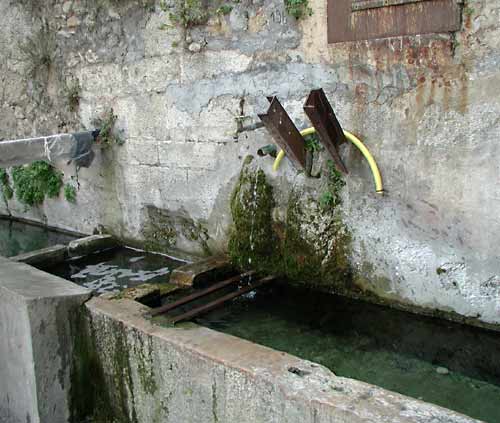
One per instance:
(421,17)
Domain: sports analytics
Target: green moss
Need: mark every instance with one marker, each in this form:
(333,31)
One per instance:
(298,8)
(5,186)
(159,231)
(34,182)
(225,9)
(252,241)
(89,398)
(163,228)
(123,381)
(70,193)
(311,246)
(145,365)
(188,13)
(316,245)
(196,232)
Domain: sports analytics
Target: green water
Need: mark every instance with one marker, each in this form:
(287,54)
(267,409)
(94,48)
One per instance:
(392,349)
(116,269)
(19,237)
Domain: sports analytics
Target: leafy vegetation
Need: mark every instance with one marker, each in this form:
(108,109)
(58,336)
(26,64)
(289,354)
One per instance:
(331,197)
(5,185)
(298,8)
(34,182)
(225,9)
(108,134)
(38,51)
(73,91)
(189,13)
(70,193)
(312,143)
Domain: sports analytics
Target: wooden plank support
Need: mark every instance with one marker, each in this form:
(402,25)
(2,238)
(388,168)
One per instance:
(320,113)
(285,133)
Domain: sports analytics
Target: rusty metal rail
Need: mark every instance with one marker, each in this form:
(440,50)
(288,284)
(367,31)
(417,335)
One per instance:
(199,294)
(218,302)
(320,113)
(285,133)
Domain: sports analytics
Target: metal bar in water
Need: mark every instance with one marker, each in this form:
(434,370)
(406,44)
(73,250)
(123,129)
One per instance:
(199,294)
(216,303)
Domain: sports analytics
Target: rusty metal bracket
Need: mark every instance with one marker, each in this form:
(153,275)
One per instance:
(198,294)
(220,301)
(284,132)
(321,115)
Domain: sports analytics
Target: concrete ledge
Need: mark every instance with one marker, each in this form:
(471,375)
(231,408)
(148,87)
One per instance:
(36,347)
(194,374)
(91,244)
(45,257)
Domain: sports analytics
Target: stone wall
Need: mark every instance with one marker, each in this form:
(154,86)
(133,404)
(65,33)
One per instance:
(426,106)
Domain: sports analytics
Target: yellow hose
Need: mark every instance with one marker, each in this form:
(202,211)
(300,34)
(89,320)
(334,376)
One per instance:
(357,142)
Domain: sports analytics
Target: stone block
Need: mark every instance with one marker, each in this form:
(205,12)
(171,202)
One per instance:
(44,257)
(91,244)
(36,350)
(202,271)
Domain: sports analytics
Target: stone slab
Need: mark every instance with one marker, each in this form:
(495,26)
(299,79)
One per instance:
(44,257)
(91,244)
(195,273)
(36,309)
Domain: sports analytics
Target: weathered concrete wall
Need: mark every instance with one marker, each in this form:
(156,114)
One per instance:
(36,348)
(426,106)
(154,374)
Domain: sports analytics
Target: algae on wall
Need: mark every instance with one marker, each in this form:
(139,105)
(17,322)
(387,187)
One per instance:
(253,243)
(310,245)
(165,230)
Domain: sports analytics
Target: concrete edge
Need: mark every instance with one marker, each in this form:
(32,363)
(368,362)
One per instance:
(346,396)
(47,256)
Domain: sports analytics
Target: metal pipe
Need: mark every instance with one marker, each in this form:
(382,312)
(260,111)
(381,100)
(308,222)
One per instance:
(269,149)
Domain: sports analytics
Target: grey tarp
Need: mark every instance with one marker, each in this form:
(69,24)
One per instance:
(61,148)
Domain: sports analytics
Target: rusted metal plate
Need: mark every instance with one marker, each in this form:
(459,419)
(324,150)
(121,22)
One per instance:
(320,113)
(422,17)
(285,133)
